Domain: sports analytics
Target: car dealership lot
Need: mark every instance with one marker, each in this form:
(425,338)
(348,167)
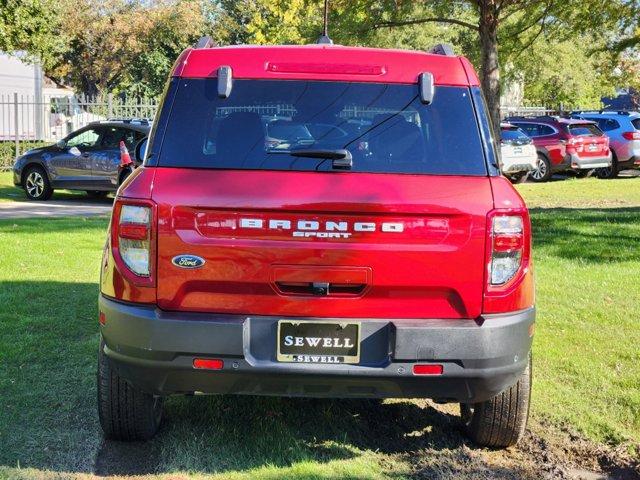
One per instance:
(584,411)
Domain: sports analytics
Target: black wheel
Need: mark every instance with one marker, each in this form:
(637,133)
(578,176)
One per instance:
(542,172)
(36,184)
(518,177)
(124,175)
(500,421)
(583,173)
(97,193)
(611,172)
(126,413)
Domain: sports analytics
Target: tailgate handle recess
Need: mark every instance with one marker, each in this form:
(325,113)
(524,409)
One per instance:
(321,289)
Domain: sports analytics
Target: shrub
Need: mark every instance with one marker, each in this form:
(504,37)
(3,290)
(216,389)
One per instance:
(8,151)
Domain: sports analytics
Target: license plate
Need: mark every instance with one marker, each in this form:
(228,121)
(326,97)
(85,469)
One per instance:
(306,341)
(593,148)
(517,150)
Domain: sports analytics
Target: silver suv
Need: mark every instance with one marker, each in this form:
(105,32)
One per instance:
(623,130)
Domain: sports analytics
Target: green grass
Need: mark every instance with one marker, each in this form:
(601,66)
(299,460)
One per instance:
(586,364)
(583,192)
(11,193)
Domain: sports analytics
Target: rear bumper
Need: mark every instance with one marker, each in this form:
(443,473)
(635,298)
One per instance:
(516,167)
(587,163)
(155,350)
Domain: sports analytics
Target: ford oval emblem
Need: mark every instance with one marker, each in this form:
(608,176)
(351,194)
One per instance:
(188,261)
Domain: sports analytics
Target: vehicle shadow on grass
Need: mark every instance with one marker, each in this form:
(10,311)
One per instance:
(595,235)
(240,433)
(48,418)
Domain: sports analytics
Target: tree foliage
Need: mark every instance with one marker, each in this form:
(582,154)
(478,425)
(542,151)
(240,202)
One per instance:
(559,51)
(129,46)
(31,26)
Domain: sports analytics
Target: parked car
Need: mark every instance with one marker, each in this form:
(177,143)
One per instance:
(518,155)
(87,159)
(564,144)
(393,262)
(623,130)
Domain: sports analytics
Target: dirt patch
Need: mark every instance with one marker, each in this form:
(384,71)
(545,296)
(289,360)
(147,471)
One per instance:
(546,452)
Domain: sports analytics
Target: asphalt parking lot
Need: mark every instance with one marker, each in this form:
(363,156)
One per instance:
(54,209)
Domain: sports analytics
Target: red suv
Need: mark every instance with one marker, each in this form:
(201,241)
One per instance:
(377,254)
(565,144)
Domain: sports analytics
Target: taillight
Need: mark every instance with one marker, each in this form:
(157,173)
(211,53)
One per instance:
(577,143)
(507,238)
(635,135)
(133,239)
(508,278)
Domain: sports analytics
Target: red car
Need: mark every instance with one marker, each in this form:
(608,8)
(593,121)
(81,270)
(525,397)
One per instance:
(380,254)
(564,144)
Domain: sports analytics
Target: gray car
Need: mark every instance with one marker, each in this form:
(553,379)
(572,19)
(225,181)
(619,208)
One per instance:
(87,159)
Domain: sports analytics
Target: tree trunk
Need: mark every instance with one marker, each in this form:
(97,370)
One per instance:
(490,67)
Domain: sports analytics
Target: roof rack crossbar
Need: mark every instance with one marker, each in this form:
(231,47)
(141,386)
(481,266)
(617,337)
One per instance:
(124,120)
(442,49)
(205,42)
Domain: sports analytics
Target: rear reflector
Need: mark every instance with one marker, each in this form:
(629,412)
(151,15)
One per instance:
(102,318)
(208,363)
(134,231)
(421,369)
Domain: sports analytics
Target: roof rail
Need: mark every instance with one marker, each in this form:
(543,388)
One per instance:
(603,111)
(205,42)
(442,49)
(143,121)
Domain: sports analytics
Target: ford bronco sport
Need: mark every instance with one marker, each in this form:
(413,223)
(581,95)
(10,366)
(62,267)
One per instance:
(366,247)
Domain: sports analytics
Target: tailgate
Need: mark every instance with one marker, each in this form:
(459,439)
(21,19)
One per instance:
(322,245)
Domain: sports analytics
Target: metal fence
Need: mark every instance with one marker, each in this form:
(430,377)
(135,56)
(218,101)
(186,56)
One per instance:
(532,111)
(27,121)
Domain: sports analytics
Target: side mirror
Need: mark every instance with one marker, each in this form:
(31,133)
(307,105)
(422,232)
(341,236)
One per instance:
(141,150)
(61,143)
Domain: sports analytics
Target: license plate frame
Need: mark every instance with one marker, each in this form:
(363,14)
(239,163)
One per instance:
(321,354)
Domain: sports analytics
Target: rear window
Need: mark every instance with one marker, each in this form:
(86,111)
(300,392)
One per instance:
(385,127)
(636,123)
(513,134)
(584,130)
(534,130)
(605,124)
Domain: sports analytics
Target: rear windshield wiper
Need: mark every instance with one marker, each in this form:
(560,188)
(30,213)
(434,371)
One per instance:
(341,158)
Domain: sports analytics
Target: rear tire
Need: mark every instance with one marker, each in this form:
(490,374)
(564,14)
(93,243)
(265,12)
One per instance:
(583,173)
(97,193)
(609,173)
(126,412)
(500,421)
(36,184)
(124,175)
(518,177)
(542,172)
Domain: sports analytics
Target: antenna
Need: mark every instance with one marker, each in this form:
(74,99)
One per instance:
(324,38)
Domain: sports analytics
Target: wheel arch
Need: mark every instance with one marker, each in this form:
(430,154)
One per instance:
(34,163)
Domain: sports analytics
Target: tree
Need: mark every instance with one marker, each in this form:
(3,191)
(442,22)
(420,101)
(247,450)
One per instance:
(30,25)
(129,47)
(512,24)
(266,21)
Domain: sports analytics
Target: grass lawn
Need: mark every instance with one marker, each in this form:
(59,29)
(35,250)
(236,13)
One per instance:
(10,193)
(586,362)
